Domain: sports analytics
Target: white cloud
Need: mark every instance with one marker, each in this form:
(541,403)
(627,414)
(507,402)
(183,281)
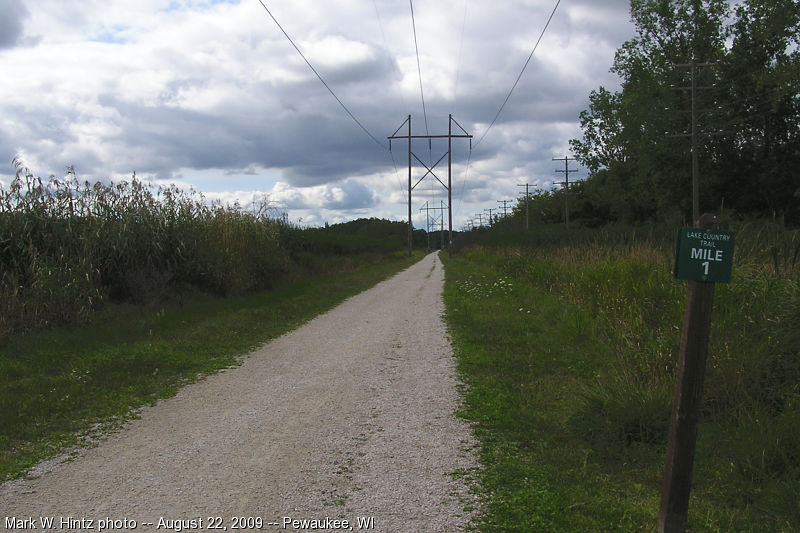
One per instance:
(332,196)
(195,88)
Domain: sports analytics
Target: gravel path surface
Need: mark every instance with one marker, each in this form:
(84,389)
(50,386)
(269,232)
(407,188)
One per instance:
(349,416)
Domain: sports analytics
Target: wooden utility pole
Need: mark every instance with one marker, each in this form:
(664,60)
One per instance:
(450,121)
(427,224)
(450,184)
(695,161)
(692,65)
(505,206)
(490,210)
(565,183)
(527,203)
(410,224)
(439,219)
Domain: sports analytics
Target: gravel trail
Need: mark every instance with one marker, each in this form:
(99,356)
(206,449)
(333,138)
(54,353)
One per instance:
(348,416)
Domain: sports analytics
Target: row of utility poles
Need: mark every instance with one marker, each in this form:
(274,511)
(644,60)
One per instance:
(489,215)
(491,218)
(565,184)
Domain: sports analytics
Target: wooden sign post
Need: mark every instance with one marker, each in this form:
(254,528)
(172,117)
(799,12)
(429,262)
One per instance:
(704,256)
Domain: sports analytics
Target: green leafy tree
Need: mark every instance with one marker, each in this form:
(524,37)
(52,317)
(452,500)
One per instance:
(760,145)
(634,140)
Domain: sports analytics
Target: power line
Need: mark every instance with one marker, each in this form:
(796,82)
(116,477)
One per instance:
(379,143)
(419,69)
(458,65)
(397,174)
(566,159)
(380,24)
(505,206)
(463,184)
(695,160)
(520,74)
(386,45)
(452,107)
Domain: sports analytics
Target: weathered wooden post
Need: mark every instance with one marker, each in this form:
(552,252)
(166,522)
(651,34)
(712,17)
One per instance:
(703,256)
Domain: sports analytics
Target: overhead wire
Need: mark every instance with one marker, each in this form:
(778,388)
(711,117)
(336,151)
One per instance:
(460,53)
(386,45)
(535,46)
(380,24)
(379,143)
(421,91)
(457,207)
(508,96)
(419,68)
(385,42)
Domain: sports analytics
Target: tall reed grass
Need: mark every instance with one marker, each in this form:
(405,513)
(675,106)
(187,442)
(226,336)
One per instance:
(67,245)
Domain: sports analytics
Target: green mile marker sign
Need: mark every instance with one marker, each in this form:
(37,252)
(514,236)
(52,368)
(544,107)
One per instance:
(704,255)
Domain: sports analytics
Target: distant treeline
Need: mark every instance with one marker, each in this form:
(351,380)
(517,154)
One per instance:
(347,238)
(67,246)
(635,140)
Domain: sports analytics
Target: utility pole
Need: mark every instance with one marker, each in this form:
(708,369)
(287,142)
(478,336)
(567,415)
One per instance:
(692,65)
(527,204)
(449,183)
(410,224)
(439,219)
(505,206)
(427,223)
(490,210)
(565,183)
(430,169)
(480,219)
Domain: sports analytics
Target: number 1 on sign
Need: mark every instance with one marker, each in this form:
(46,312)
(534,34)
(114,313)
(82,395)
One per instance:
(705,267)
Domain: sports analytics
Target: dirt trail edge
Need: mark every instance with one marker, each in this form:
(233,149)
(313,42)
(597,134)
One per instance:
(349,417)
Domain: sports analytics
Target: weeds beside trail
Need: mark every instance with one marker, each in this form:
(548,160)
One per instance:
(569,353)
(60,383)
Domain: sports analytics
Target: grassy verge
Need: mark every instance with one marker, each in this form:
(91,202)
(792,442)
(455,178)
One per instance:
(59,384)
(523,355)
(569,356)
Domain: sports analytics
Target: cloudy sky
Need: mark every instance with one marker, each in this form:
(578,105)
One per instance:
(211,95)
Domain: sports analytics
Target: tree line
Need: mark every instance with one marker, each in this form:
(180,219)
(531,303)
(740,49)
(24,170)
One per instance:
(635,140)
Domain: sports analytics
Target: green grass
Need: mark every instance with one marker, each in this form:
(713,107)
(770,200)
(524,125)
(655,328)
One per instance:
(57,385)
(569,354)
(523,354)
